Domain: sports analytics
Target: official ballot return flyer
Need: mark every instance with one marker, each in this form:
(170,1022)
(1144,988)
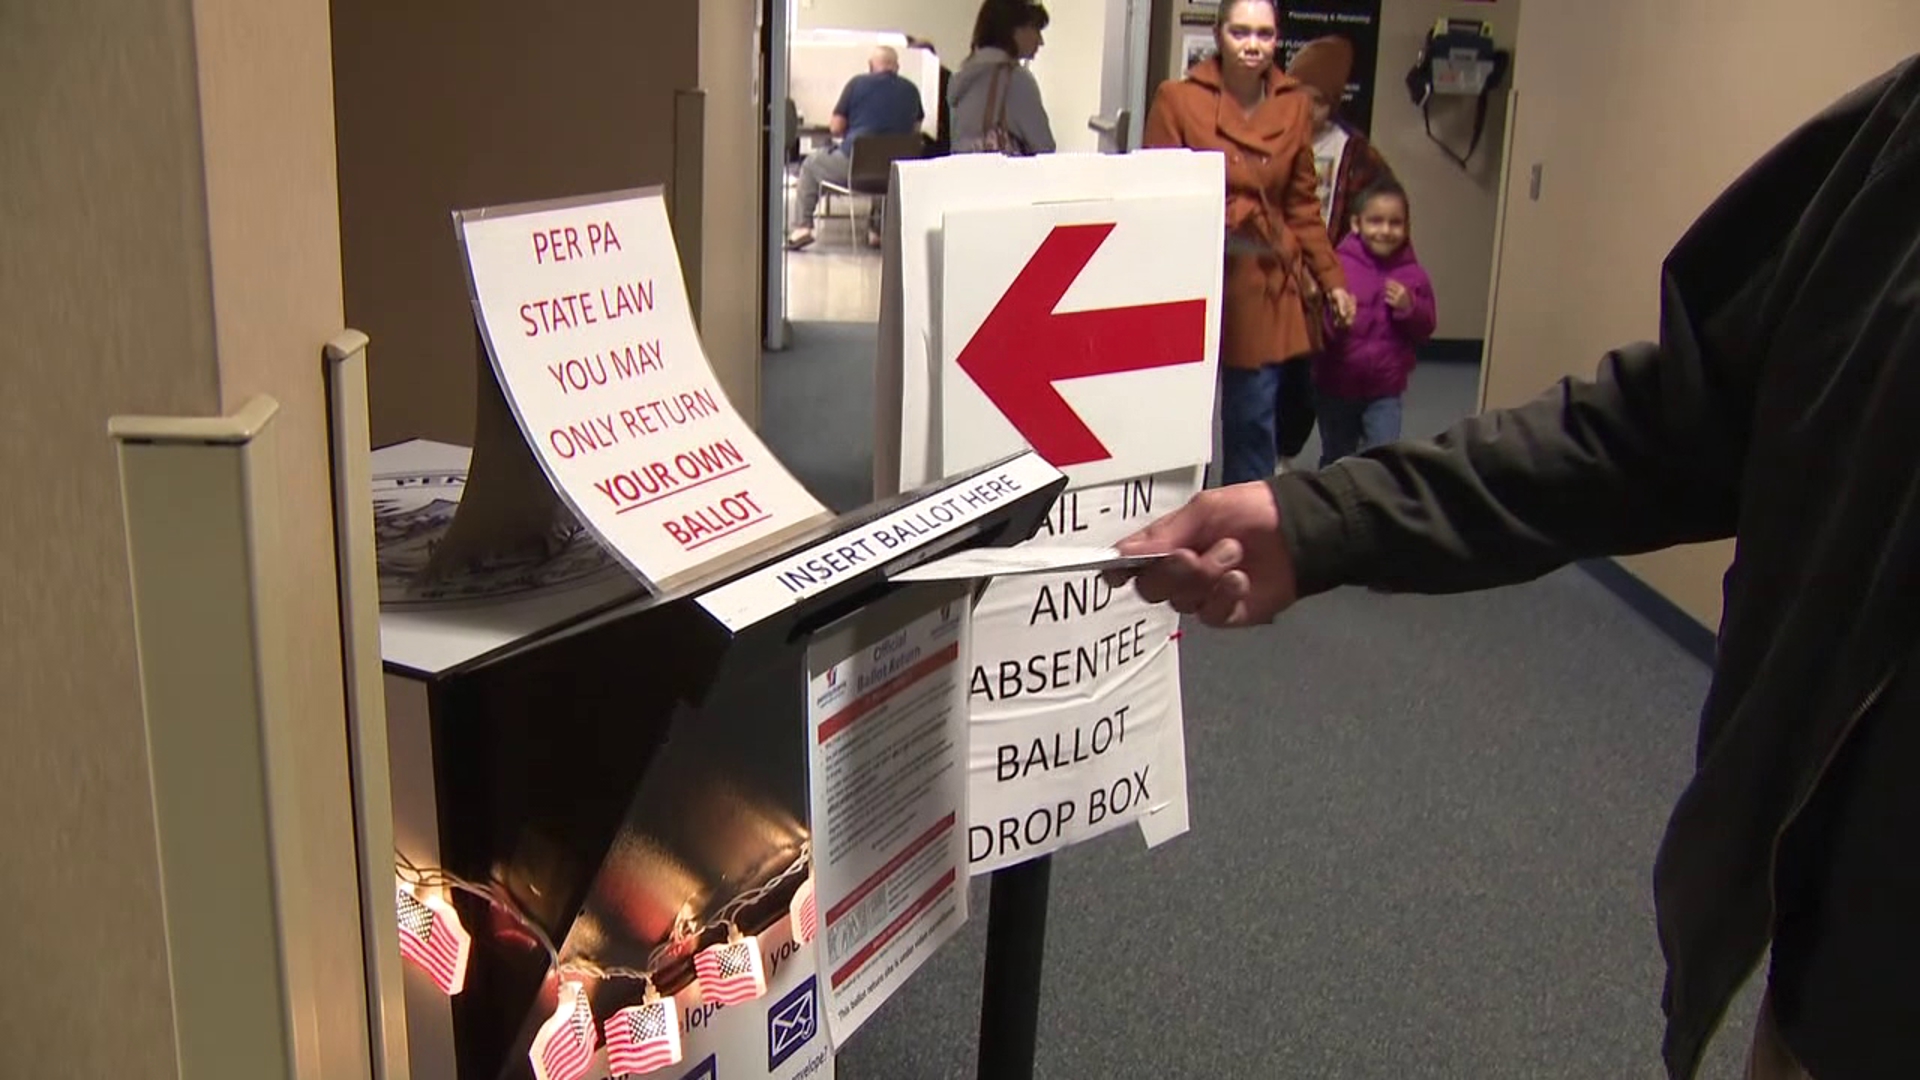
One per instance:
(887,788)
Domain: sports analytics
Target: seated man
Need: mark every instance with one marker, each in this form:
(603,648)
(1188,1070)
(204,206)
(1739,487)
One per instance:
(881,102)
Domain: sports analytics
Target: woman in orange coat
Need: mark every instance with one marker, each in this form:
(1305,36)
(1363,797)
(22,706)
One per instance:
(1279,260)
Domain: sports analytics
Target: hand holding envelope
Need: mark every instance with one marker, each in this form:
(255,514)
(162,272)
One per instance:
(1007,562)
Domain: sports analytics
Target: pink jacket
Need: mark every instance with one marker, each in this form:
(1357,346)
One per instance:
(1373,357)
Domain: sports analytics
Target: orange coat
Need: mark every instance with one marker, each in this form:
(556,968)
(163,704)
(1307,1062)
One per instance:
(1272,199)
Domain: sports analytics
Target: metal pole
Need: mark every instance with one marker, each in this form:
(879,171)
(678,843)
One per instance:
(1010,992)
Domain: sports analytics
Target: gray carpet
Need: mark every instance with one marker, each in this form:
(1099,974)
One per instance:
(1422,831)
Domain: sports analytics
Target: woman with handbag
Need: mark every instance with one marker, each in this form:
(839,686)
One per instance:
(994,100)
(1282,278)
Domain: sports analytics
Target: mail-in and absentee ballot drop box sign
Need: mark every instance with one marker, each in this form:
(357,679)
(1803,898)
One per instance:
(1074,309)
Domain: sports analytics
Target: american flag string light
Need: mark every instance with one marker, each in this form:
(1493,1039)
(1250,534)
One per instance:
(432,937)
(731,972)
(804,913)
(563,1047)
(642,1038)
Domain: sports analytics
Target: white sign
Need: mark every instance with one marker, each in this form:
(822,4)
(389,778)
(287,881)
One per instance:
(1088,330)
(586,318)
(887,701)
(1055,301)
(809,571)
(781,1036)
(1075,694)
(907,447)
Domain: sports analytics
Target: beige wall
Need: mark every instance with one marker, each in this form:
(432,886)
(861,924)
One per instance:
(167,202)
(443,109)
(266,120)
(104,291)
(1453,207)
(1640,111)
(1069,71)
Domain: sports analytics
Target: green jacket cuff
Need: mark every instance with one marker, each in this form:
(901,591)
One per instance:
(1329,544)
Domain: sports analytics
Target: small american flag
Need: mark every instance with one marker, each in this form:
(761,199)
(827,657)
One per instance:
(563,1047)
(805,913)
(731,973)
(431,936)
(642,1038)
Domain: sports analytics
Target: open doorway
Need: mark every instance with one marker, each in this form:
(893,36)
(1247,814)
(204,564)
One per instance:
(1093,77)
(809,66)
(1447,151)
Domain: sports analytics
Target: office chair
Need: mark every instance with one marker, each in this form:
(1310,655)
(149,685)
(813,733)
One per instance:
(871,167)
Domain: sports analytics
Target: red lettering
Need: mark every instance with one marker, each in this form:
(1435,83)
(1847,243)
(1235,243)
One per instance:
(601,238)
(558,244)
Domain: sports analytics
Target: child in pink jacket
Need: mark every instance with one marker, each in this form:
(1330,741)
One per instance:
(1363,370)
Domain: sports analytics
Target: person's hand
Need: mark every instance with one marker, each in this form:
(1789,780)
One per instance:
(1229,562)
(1344,306)
(1399,298)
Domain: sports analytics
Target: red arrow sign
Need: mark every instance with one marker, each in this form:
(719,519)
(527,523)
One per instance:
(1023,347)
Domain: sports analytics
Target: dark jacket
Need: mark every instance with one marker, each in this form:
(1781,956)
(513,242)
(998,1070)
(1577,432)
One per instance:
(1373,357)
(1780,407)
(1361,167)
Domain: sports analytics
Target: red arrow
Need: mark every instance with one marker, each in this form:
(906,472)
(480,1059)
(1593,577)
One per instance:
(1023,347)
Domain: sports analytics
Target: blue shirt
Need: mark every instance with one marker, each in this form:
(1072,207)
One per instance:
(879,103)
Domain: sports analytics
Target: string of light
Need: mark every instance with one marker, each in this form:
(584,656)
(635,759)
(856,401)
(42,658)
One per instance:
(640,1038)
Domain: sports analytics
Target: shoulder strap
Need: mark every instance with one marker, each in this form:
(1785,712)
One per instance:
(1002,88)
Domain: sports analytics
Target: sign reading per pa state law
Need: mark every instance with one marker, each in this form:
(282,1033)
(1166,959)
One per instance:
(587,322)
(1086,330)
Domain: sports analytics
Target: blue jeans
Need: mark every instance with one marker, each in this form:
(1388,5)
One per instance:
(1350,425)
(1248,404)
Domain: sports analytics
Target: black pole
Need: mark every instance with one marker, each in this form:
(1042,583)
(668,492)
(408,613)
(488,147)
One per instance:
(1010,989)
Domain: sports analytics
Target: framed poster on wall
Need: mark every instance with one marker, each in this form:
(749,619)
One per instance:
(1195,45)
(1356,20)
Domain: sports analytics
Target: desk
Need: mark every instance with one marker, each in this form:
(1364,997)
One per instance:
(812,137)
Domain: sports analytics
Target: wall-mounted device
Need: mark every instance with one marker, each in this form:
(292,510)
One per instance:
(1459,59)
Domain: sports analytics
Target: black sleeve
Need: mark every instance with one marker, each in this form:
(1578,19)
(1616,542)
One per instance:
(1648,453)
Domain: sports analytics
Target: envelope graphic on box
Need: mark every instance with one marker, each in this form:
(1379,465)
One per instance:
(792,1022)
